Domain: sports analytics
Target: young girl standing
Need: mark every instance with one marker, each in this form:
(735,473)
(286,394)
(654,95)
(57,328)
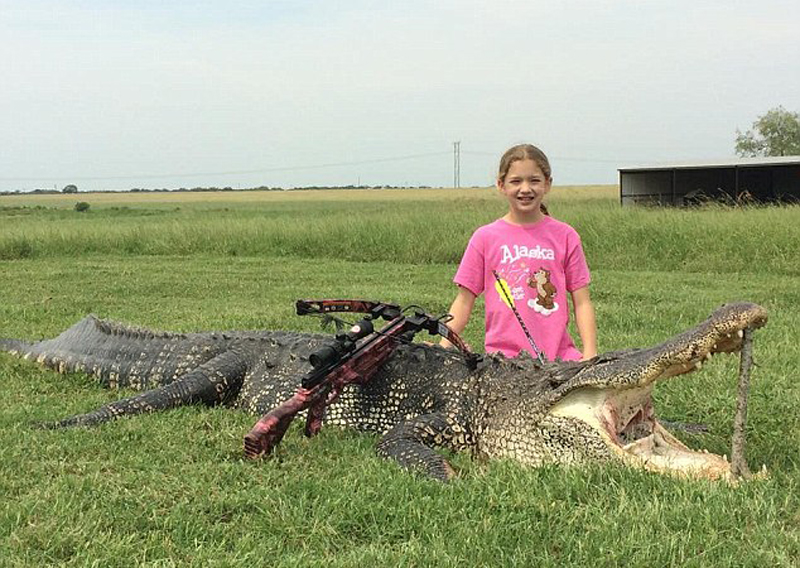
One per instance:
(531,261)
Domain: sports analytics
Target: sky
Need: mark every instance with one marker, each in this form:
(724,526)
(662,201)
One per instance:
(112,95)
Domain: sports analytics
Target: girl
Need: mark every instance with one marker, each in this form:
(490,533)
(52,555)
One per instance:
(531,261)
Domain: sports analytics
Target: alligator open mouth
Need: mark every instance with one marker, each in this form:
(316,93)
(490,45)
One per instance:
(623,413)
(644,441)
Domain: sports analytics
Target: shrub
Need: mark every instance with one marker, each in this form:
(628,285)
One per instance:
(16,249)
(82,206)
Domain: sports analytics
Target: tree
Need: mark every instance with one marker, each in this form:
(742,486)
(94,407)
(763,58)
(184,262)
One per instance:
(776,133)
(70,189)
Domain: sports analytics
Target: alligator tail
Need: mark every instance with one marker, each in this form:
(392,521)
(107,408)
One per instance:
(120,355)
(15,346)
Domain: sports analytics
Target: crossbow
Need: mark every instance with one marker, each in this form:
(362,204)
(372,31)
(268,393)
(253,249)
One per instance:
(351,357)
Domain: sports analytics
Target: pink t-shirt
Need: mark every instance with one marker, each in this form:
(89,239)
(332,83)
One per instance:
(540,263)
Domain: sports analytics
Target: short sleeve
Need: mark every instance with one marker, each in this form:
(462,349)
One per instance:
(470,273)
(576,269)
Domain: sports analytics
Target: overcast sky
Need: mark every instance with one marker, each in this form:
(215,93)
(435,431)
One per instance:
(156,93)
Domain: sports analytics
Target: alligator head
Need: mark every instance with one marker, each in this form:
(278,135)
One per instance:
(602,408)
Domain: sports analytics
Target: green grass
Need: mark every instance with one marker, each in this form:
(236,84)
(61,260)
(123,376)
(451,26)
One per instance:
(172,489)
(411,226)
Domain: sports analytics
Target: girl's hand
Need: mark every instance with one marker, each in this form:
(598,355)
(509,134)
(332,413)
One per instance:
(447,345)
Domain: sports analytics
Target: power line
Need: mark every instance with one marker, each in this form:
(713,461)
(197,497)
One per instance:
(563,158)
(456,167)
(234,172)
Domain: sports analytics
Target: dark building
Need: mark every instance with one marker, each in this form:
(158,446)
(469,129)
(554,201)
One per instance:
(752,179)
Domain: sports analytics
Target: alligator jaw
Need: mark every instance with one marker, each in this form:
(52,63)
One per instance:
(662,452)
(625,420)
(621,411)
(726,343)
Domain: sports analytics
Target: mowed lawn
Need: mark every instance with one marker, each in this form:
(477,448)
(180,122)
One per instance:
(172,489)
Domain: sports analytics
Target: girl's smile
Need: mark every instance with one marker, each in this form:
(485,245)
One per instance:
(524,186)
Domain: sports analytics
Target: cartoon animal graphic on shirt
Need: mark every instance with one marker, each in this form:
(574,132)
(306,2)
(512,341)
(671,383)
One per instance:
(545,292)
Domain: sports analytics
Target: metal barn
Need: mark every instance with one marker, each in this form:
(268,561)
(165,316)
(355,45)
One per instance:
(760,179)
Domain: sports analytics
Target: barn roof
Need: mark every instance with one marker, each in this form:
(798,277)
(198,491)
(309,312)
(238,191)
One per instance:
(724,163)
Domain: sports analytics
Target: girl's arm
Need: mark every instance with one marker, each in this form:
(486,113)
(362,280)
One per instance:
(585,321)
(460,310)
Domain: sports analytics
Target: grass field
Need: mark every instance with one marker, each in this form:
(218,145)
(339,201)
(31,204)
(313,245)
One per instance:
(172,489)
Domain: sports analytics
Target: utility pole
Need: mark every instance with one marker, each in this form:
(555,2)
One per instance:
(457,164)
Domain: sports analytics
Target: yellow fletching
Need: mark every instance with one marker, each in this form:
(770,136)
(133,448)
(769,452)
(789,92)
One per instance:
(504,291)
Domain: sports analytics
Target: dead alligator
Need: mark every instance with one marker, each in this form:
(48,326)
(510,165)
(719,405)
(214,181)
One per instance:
(423,397)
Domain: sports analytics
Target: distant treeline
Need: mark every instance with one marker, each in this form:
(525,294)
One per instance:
(210,189)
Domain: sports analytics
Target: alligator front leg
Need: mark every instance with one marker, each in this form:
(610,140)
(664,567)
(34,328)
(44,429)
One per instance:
(211,383)
(411,444)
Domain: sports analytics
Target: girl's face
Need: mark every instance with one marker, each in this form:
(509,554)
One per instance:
(524,187)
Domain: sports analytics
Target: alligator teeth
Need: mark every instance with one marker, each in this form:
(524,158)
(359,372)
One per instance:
(698,365)
(740,334)
(725,457)
(763,468)
(708,355)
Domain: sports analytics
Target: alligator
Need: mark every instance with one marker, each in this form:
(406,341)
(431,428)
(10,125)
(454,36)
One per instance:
(423,398)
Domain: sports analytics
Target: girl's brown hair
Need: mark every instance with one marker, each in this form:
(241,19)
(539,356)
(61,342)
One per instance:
(525,152)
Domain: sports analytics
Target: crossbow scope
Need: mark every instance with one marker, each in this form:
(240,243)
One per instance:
(343,343)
